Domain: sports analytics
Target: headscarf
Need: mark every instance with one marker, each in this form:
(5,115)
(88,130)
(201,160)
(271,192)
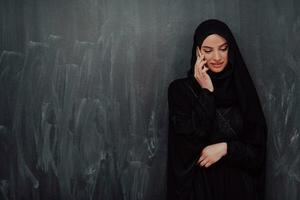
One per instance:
(245,90)
(224,90)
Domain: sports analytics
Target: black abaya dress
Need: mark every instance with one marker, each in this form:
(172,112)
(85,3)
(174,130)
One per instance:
(196,121)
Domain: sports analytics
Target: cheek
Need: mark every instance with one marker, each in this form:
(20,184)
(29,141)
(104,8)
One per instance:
(207,57)
(225,55)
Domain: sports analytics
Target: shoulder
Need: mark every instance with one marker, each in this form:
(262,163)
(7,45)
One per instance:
(181,90)
(178,84)
(178,94)
(178,87)
(188,85)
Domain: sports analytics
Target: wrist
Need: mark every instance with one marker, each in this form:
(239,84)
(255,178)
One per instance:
(211,89)
(208,90)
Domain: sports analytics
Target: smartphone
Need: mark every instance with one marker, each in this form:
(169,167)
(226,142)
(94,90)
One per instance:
(204,64)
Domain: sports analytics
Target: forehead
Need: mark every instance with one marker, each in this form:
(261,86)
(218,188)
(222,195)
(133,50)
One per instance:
(214,40)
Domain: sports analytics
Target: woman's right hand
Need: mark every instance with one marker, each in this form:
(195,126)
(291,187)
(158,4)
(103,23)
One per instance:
(200,72)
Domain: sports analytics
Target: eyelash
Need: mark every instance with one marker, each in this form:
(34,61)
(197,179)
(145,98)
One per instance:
(225,49)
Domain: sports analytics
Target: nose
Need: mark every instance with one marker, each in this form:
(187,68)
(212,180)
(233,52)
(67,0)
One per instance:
(217,56)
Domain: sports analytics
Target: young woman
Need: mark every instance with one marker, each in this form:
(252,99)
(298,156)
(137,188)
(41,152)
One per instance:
(217,129)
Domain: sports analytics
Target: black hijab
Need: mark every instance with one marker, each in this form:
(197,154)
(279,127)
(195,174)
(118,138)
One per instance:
(224,90)
(235,79)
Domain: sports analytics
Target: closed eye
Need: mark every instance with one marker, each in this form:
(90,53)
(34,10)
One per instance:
(224,49)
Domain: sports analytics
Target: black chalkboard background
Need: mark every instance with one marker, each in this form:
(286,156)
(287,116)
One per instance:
(83,92)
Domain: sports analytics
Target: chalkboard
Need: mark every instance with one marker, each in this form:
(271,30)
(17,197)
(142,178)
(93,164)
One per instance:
(83,92)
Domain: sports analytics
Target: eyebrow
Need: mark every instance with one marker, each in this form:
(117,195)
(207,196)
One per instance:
(212,47)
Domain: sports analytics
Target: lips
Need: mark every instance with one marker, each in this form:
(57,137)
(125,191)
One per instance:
(217,64)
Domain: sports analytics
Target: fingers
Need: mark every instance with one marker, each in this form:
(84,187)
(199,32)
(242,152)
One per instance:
(199,68)
(205,69)
(199,56)
(207,164)
(200,159)
(200,64)
(204,163)
(200,60)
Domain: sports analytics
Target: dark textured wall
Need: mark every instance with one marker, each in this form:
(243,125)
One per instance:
(83,83)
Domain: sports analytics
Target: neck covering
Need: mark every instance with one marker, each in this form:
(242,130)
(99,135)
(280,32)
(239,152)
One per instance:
(224,90)
(235,78)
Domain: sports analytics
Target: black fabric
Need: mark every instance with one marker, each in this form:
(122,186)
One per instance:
(224,90)
(231,114)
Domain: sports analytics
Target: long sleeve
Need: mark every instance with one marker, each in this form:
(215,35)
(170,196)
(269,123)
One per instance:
(248,153)
(186,102)
(189,129)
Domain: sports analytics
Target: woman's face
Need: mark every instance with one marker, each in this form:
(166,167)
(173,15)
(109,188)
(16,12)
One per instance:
(215,50)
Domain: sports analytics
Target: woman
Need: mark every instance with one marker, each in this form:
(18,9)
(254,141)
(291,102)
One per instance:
(217,130)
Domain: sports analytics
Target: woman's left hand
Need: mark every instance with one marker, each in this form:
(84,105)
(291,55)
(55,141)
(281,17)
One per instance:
(212,154)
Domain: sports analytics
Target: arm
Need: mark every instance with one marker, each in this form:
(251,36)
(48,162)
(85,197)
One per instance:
(184,105)
(187,137)
(248,154)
